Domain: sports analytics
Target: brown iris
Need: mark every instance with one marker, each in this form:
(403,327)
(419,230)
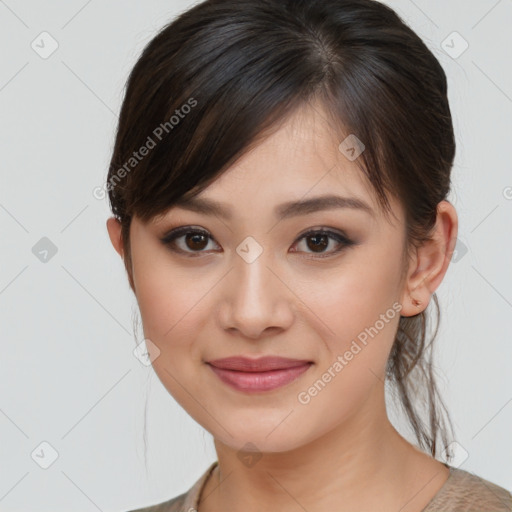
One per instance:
(196,241)
(322,241)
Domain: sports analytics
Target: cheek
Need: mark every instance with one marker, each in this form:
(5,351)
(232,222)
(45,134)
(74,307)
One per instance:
(351,298)
(172,308)
(356,314)
(363,321)
(170,300)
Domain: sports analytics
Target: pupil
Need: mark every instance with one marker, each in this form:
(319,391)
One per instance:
(322,245)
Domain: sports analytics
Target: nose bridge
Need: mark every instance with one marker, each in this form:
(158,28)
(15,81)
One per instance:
(252,278)
(256,298)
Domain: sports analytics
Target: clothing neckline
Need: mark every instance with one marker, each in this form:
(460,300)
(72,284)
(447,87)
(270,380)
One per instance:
(194,497)
(443,488)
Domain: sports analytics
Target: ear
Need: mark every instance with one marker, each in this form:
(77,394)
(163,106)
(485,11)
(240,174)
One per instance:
(114,232)
(430,262)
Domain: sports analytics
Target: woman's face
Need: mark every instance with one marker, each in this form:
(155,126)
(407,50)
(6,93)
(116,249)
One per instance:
(254,285)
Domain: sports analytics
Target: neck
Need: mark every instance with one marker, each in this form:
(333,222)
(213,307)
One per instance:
(363,464)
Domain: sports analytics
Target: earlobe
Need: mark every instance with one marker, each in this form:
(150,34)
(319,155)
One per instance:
(431,261)
(114,232)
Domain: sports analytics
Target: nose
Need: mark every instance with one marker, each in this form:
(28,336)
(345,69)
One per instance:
(255,300)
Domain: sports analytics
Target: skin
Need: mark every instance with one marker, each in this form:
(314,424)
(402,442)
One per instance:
(339,451)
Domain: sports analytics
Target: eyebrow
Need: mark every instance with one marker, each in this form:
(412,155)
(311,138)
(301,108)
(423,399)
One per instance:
(283,211)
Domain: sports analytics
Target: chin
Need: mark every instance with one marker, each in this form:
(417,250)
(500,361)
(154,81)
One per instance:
(258,440)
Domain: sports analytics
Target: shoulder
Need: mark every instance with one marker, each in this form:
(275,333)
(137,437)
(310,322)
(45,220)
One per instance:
(185,502)
(465,491)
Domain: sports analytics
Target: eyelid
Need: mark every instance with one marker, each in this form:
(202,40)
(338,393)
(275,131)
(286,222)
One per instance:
(326,230)
(182,230)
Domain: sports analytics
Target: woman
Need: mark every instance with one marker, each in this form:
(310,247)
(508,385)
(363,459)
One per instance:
(279,187)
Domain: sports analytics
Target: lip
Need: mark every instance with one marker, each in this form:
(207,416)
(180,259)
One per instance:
(256,375)
(260,364)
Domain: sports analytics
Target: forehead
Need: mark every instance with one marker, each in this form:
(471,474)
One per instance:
(299,159)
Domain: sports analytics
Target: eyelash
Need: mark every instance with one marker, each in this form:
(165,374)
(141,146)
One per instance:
(170,238)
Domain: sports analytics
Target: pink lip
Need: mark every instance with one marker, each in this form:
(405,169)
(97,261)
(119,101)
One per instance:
(263,374)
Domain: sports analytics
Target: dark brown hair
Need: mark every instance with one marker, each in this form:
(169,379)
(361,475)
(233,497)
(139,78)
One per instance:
(222,74)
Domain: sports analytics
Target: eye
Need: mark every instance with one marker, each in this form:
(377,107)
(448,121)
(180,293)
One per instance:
(193,240)
(318,241)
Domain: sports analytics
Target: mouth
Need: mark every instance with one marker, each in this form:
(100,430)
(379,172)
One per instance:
(257,375)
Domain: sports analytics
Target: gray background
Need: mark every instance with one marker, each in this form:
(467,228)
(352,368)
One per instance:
(68,376)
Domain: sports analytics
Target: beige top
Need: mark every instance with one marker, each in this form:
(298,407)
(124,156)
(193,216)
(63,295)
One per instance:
(462,492)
